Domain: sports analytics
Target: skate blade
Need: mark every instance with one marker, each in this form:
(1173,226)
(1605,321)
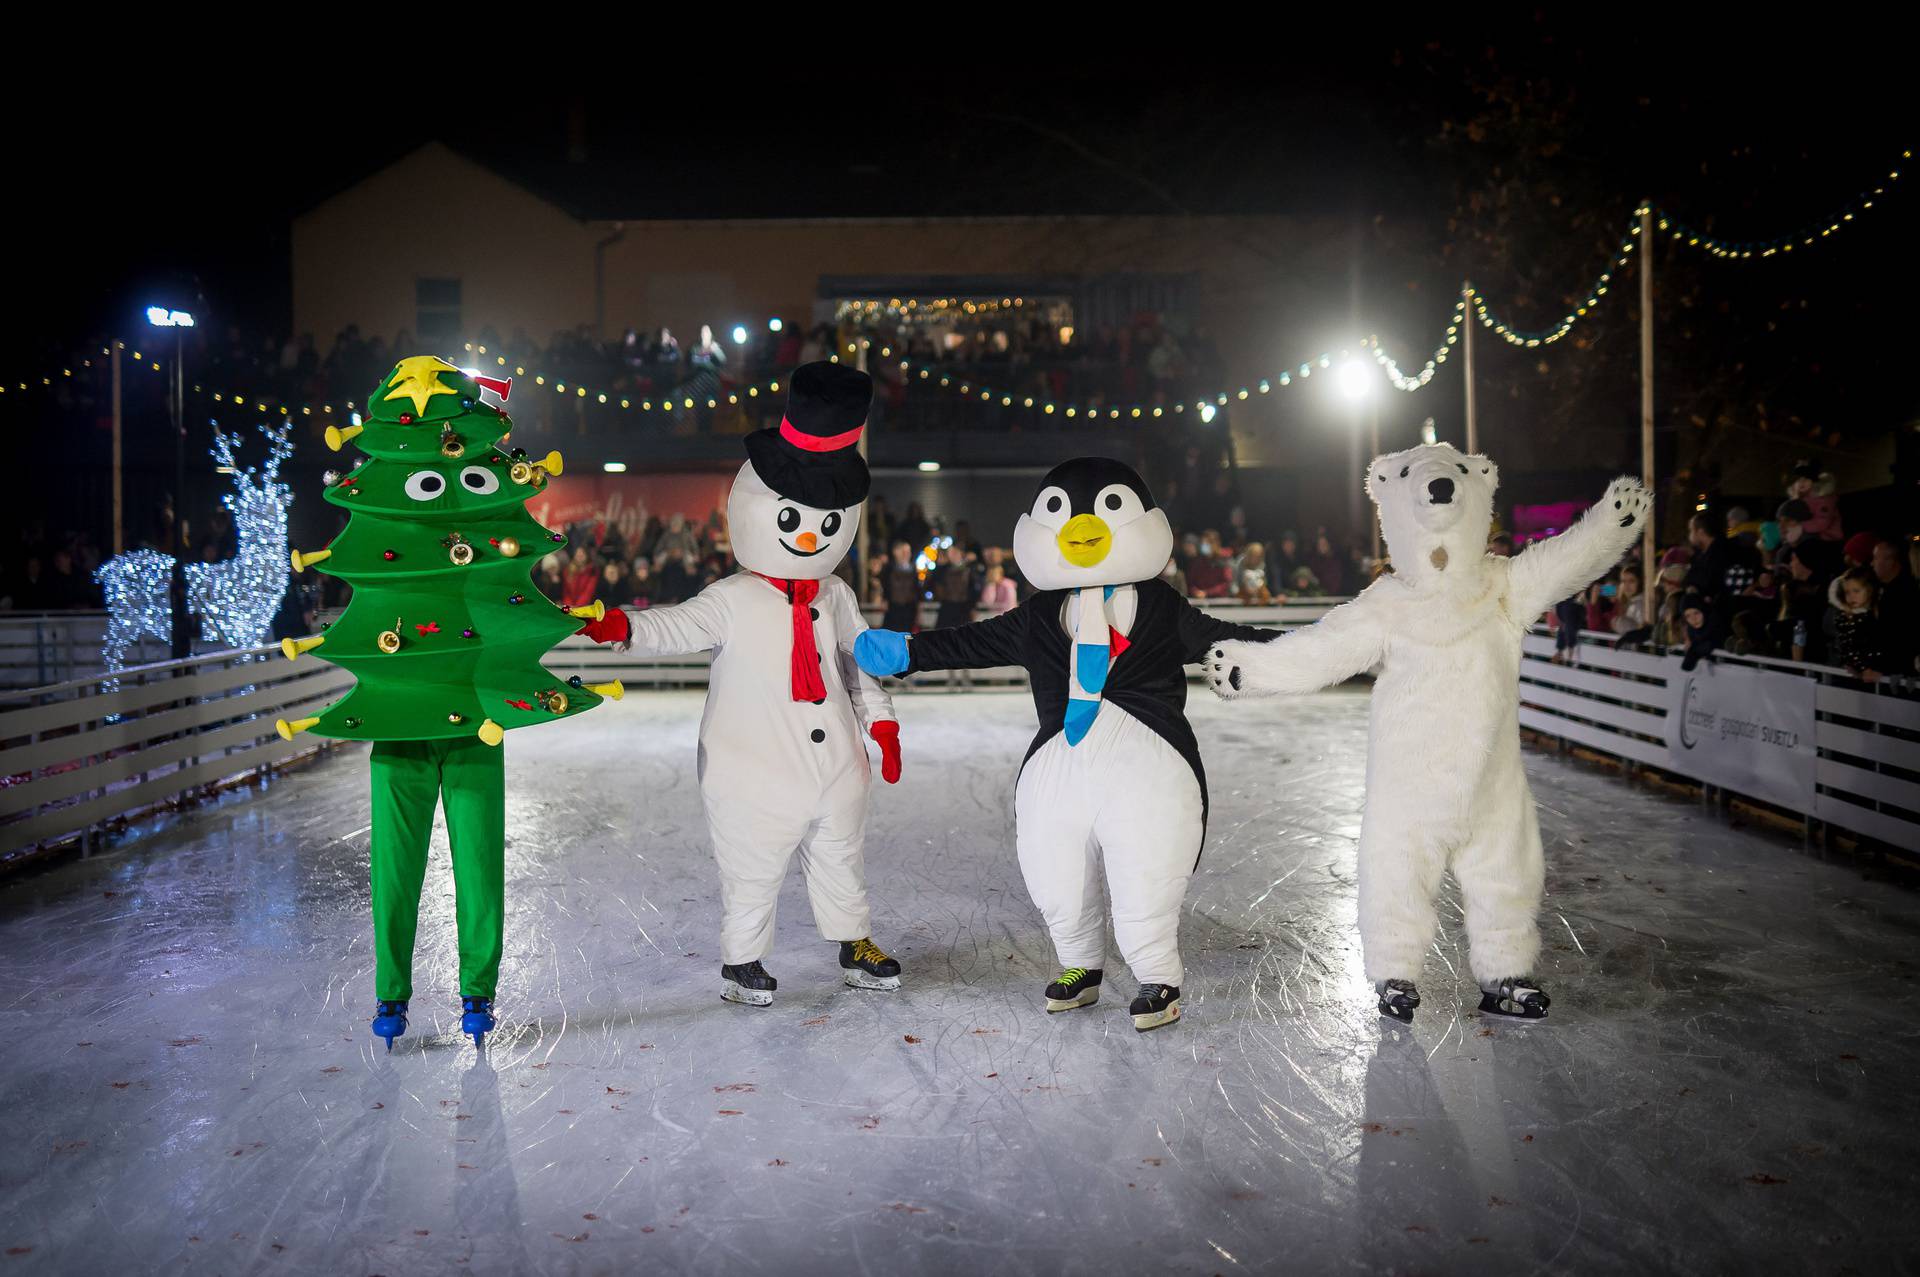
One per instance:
(858,979)
(731,992)
(1522,1016)
(1086,999)
(1399,1015)
(1157,1019)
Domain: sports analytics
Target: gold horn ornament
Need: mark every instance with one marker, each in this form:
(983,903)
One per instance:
(593,611)
(338,438)
(289,730)
(302,560)
(293,646)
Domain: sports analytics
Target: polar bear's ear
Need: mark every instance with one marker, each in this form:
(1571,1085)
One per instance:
(1486,470)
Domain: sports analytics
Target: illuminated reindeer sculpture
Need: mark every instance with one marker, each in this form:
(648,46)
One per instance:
(235,599)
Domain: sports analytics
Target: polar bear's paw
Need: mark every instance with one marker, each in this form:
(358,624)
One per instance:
(1626,503)
(1233,670)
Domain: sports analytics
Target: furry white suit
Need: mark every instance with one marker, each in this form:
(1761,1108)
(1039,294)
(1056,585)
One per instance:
(1445,786)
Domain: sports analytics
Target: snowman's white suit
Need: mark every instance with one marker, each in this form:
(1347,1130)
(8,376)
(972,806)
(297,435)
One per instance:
(778,775)
(1445,785)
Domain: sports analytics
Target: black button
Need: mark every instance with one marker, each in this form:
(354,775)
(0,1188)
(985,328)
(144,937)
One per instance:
(815,611)
(818,735)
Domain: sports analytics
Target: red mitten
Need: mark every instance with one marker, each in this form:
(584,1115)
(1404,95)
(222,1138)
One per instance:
(887,735)
(611,628)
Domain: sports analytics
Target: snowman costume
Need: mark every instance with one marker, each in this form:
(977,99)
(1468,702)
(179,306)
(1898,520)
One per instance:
(1114,772)
(783,762)
(1446,788)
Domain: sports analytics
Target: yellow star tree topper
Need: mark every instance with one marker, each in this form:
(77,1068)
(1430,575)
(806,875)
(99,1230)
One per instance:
(418,378)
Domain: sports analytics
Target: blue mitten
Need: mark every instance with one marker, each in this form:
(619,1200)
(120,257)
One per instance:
(881,652)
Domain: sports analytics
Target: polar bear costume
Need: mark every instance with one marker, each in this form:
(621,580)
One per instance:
(1445,786)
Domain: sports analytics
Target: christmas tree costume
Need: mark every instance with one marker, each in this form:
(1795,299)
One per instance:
(443,635)
(783,762)
(1114,772)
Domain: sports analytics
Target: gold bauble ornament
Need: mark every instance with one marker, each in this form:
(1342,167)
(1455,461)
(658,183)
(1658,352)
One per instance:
(509,546)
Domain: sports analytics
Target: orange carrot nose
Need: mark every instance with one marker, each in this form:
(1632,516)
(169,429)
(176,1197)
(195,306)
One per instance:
(806,540)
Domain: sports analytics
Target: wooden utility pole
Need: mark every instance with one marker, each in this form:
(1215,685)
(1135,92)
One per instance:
(1649,546)
(1469,319)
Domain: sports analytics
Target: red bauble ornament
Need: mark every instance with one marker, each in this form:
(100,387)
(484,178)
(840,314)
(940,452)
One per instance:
(388,555)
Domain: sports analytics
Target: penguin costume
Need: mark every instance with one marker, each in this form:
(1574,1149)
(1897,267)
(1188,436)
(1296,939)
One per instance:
(783,760)
(1114,770)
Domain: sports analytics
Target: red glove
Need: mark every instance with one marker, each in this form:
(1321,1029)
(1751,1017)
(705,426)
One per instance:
(611,628)
(887,735)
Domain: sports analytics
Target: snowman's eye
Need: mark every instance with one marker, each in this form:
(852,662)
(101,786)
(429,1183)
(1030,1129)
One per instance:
(830,524)
(789,518)
(480,479)
(425,485)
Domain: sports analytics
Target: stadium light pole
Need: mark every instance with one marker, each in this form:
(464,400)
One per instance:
(179,321)
(1357,385)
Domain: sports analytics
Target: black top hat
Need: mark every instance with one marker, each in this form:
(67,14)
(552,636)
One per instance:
(813,457)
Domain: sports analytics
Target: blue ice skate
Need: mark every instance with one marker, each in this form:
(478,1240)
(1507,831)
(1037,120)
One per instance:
(390,1020)
(476,1019)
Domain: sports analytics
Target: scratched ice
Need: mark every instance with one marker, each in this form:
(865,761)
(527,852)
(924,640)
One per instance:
(188,1083)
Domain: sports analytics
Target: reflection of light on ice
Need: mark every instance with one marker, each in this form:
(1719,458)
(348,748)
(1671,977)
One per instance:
(219,974)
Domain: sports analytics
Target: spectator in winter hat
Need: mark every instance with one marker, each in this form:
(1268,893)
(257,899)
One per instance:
(1814,486)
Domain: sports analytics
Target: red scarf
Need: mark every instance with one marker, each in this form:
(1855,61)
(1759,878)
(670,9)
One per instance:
(807,683)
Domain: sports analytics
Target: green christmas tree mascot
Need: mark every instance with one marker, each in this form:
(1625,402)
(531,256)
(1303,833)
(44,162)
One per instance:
(444,636)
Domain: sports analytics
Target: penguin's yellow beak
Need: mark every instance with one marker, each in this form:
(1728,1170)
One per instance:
(1085,540)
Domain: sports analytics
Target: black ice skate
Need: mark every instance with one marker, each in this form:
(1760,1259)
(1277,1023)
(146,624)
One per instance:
(1156,1005)
(748,983)
(1398,998)
(865,967)
(1519,998)
(1074,987)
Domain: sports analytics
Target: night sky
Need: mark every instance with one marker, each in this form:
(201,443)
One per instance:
(196,185)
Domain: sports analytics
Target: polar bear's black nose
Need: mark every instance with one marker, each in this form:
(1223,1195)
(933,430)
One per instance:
(1440,491)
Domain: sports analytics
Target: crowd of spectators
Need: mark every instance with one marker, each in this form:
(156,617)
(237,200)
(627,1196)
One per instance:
(1795,587)
(1036,351)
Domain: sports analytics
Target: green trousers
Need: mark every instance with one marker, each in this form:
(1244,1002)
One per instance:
(409,778)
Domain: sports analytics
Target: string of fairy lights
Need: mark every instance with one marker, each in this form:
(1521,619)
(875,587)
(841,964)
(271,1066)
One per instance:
(967,389)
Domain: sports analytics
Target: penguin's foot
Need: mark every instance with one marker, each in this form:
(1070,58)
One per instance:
(1072,988)
(1154,1006)
(864,966)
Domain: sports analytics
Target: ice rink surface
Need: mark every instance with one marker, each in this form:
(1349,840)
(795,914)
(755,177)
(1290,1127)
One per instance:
(189,1084)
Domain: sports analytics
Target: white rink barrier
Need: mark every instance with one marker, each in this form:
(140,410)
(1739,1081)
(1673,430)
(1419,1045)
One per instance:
(78,754)
(1811,739)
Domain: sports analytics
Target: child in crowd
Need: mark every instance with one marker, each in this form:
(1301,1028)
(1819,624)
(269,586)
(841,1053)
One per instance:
(997,593)
(1859,640)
